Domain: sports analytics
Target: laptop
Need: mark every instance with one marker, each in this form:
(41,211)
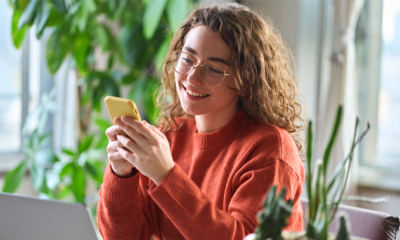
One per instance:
(38,219)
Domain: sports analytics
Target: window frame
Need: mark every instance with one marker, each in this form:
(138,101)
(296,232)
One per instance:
(371,173)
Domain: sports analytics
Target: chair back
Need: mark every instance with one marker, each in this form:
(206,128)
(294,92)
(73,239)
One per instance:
(364,223)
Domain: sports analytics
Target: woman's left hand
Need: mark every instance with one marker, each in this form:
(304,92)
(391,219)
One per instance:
(146,148)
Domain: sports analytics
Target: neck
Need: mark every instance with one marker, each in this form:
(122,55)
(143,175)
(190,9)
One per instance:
(211,122)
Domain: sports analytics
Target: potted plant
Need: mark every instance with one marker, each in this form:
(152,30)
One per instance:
(324,196)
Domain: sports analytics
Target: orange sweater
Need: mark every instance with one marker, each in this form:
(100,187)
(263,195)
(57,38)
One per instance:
(215,189)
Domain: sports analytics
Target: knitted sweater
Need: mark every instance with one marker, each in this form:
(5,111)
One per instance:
(215,189)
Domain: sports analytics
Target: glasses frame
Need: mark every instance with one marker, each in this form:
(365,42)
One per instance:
(197,64)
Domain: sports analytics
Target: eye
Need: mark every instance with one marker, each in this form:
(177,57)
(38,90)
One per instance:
(215,70)
(187,60)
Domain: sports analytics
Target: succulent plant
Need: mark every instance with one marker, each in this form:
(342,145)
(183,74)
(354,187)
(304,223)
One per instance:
(344,229)
(273,218)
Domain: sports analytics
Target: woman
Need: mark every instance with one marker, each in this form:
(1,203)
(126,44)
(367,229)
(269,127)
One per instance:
(206,177)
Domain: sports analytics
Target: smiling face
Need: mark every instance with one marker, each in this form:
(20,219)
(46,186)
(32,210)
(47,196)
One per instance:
(198,98)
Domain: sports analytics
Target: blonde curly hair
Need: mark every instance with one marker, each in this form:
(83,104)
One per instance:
(264,69)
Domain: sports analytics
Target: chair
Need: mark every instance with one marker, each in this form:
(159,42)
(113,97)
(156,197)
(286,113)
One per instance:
(364,223)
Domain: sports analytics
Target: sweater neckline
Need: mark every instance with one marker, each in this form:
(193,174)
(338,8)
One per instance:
(218,138)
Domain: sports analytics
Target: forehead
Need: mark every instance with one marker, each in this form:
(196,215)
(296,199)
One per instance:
(207,43)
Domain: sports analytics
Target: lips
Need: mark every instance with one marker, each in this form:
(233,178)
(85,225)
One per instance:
(193,93)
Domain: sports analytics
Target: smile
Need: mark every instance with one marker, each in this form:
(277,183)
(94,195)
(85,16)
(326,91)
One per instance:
(194,94)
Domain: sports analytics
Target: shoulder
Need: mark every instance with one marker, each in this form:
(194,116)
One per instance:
(269,143)
(268,136)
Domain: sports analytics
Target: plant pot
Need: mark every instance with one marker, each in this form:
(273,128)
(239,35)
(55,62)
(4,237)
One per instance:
(297,236)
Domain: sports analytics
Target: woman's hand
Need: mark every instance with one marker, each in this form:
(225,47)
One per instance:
(119,164)
(147,148)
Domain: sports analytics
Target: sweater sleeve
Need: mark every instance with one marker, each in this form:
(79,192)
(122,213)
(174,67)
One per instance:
(120,212)
(196,217)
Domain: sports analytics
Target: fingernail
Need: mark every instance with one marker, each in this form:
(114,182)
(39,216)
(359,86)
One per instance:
(145,122)
(118,148)
(116,126)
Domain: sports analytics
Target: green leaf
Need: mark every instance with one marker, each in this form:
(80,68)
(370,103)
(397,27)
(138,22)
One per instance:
(102,123)
(18,35)
(98,93)
(309,162)
(152,16)
(69,152)
(85,143)
(101,37)
(55,18)
(80,50)
(59,5)
(150,87)
(57,48)
(82,14)
(111,88)
(14,177)
(130,77)
(42,16)
(67,170)
(332,138)
(102,142)
(162,52)
(95,170)
(29,14)
(78,185)
(176,12)
(19,4)
(38,177)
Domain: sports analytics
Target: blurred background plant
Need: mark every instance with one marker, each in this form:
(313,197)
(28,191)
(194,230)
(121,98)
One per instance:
(133,38)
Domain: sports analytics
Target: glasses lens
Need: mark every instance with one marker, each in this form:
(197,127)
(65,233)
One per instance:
(182,62)
(213,74)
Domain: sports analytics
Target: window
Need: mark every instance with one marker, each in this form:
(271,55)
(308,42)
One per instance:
(11,85)
(388,147)
(377,41)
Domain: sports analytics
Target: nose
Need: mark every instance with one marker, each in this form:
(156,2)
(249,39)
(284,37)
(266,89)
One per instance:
(194,77)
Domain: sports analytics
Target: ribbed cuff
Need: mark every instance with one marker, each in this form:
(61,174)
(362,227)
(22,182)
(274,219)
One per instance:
(119,191)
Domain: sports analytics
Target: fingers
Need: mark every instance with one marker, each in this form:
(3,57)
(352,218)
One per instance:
(140,127)
(128,155)
(129,144)
(112,131)
(131,131)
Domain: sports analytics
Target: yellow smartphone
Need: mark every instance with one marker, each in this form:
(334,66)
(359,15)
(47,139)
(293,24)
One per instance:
(118,107)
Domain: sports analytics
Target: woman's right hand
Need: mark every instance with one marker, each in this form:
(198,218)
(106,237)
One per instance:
(119,165)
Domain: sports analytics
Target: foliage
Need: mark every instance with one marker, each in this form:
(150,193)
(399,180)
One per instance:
(325,196)
(344,229)
(273,218)
(131,36)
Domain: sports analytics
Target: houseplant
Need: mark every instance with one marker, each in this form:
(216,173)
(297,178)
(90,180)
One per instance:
(133,37)
(324,196)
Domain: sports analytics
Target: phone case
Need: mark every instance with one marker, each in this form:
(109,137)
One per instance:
(118,107)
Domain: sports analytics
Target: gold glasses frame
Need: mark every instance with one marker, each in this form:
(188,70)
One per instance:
(197,64)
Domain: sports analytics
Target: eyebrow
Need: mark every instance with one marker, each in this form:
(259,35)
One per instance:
(215,59)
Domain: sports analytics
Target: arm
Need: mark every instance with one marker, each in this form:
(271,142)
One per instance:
(120,211)
(195,215)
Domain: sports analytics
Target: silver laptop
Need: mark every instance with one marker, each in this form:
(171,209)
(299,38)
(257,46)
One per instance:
(37,219)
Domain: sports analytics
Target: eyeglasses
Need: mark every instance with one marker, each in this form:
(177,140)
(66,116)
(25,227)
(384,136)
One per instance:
(211,73)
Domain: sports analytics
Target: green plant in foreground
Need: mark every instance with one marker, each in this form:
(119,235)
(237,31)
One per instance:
(273,218)
(325,196)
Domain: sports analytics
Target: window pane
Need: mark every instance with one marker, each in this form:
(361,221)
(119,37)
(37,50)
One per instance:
(389,97)
(10,82)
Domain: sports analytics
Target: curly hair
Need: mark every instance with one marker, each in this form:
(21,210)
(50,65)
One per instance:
(264,69)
